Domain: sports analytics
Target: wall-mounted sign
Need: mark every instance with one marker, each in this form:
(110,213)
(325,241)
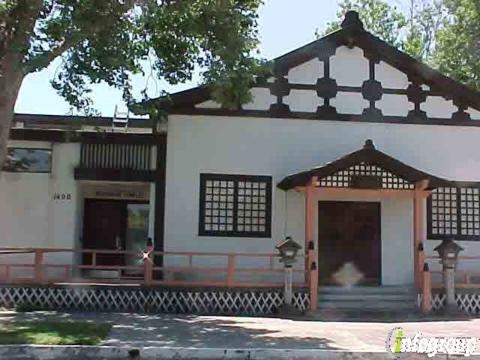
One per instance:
(128,194)
(62,196)
(117,192)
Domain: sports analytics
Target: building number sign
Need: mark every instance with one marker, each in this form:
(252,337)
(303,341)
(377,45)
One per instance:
(62,196)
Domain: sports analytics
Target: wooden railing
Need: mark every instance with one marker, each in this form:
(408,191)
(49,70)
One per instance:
(191,271)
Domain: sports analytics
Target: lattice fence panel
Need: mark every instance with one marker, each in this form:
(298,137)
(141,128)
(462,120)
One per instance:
(343,178)
(468,302)
(235,301)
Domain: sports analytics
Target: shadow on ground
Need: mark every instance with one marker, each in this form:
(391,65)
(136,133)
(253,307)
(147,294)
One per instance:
(185,331)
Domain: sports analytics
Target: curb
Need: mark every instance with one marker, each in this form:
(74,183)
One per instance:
(48,352)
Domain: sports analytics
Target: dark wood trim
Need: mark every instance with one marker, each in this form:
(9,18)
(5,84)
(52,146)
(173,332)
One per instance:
(63,136)
(295,115)
(114,174)
(74,121)
(204,177)
(159,224)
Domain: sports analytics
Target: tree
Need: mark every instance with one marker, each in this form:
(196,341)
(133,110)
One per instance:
(414,34)
(109,40)
(457,49)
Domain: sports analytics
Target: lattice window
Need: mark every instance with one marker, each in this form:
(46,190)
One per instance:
(343,178)
(443,212)
(235,205)
(469,212)
(454,212)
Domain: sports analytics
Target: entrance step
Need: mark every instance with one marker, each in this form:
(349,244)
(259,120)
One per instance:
(367,299)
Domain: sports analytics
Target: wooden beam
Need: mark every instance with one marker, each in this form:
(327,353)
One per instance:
(309,221)
(418,229)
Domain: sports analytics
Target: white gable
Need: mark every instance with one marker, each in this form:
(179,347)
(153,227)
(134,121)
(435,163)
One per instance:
(306,73)
(348,66)
(351,85)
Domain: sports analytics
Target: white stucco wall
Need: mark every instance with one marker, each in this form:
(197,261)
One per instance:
(278,147)
(29,214)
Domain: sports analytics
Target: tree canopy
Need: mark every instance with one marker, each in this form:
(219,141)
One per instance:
(111,40)
(107,41)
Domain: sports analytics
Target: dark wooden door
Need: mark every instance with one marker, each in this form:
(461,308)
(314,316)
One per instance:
(349,232)
(104,227)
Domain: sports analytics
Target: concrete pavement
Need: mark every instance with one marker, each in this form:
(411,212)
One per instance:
(236,336)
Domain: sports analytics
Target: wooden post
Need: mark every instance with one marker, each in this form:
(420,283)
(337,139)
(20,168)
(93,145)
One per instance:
(148,271)
(310,259)
(420,263)
(38,266)
(418,228)
(94,258)
(231,271)
(313,286)
(426,305)
(309,224)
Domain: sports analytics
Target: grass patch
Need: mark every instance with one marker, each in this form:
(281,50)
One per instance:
(53,333)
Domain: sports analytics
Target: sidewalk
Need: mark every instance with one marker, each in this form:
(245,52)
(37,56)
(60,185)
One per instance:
(218,332)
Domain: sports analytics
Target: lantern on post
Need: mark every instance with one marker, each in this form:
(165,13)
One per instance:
(288,250)
(448,251)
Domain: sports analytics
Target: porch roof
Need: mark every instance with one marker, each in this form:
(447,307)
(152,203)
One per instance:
(369,155)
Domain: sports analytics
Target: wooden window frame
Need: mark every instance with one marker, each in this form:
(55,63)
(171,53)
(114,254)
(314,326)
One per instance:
(204,177)
(459,235)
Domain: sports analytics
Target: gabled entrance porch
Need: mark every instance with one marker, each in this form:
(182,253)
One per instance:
(375,220)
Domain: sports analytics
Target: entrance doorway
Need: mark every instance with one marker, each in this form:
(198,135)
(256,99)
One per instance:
(115,225)
(349,232)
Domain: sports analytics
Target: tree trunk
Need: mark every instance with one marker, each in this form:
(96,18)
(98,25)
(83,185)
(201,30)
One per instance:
(11,78)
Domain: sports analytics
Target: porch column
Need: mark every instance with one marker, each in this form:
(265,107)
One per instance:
(311,268)
(309,222)
(418,229)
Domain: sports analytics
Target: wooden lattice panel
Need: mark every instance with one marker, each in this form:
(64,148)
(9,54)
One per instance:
(443,212)
(219,203)
(469,212)
(252,206)
(201,301)
(468,302)
(343,178)
(454,212)
(235,205)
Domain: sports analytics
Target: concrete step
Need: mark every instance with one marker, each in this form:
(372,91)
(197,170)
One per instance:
(371,305)
(367,298)
(364,297)
(365,290)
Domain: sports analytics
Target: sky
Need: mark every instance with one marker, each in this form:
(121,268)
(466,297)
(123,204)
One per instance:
(284,25)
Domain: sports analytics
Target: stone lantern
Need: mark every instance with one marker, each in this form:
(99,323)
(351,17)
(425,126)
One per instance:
(448,251)
(288,250)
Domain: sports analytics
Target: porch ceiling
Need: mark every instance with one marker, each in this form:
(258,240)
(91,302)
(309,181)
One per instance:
(367,155)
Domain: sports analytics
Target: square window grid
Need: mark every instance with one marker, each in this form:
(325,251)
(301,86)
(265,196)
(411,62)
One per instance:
(252,206)
(444,214)
(219,205)
(469,212)
(235,205)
